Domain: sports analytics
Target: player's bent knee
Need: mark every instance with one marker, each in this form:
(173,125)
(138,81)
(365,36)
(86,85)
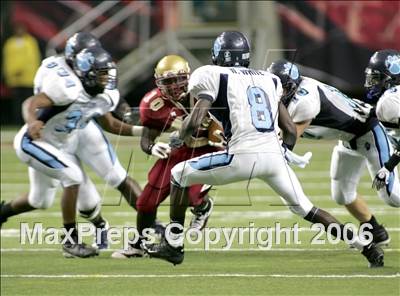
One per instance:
(150,198)
(343,193)
(394,203)
(22,155)
(40,202)
(393,200)
(115,177)
(71,176)
(177,174)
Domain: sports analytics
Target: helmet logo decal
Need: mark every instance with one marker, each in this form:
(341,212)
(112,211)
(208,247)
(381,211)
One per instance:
(302,92)
(84,61)
(217,46)
(291,70)
(68,49)
(393,64)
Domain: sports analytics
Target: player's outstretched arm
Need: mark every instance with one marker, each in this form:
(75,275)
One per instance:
(115,126)
(193,121)
(29,108)
(123,111)
(287,126)
(150,147)
(301,126)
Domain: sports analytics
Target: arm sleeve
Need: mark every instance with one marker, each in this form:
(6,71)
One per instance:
(304,107)
(204,81)
(112,98)
(388,108)
(278,87)
(279,90)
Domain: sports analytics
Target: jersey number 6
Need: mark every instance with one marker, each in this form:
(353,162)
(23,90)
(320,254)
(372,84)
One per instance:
(260,108)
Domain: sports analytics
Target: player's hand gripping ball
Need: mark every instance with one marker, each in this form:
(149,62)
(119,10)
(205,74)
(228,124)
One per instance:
(216,135)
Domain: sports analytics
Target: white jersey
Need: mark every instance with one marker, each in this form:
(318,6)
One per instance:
(331,112)
(246,103)
(388,111)
(73,107)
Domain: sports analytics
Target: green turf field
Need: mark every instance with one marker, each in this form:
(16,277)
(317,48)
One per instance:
(302,269)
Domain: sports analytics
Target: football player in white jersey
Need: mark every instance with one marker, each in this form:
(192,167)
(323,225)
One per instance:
(247,102)
(382,80)
(66,130)
(111,173)
(321,111)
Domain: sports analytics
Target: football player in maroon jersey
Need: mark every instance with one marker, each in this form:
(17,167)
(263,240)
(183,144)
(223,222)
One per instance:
(163,110)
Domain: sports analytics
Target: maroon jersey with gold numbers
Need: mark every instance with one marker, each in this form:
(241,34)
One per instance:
(157,113)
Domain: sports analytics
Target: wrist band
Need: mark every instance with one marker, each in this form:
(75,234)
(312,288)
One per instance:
(393,161)
(136,131)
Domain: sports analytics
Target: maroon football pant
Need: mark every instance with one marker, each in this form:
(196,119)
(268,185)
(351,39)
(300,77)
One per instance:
(158,187)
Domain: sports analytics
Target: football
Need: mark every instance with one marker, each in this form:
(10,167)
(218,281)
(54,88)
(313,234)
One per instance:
(215,131)
(209,131)
(210,128)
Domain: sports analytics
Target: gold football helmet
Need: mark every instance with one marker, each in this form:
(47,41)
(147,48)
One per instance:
(172,76)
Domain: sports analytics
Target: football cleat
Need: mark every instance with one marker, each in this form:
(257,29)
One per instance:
(100,238)
(78,250)
(164,251)
(200,218)
(132,252)
(380,236)
(374,255)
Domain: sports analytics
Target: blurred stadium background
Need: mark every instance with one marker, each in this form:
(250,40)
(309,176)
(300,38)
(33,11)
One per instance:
(331,40)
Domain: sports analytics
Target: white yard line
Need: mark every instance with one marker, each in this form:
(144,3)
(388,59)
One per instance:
(212,275)
(228,215)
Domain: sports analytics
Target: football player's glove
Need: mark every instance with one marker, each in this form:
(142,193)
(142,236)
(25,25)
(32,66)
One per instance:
(160,150)
(175,141)
(381,178)
(300,161)
(363,109)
